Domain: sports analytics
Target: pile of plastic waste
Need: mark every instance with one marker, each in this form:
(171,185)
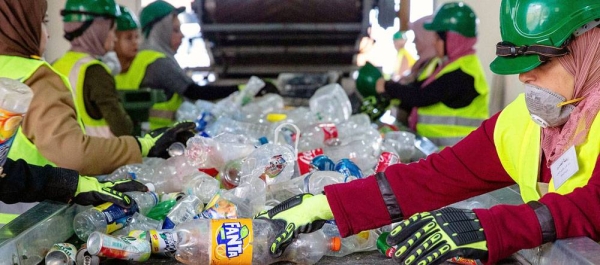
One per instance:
(249,155)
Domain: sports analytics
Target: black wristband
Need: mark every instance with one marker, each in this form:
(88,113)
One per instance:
(545,219)
(389,198)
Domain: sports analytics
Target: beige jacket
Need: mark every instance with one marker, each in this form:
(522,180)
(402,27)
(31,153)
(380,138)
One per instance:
(51,124)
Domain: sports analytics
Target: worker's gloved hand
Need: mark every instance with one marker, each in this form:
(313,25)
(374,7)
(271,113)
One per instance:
(433,237)
(92,192)
(302,213)
(156,142)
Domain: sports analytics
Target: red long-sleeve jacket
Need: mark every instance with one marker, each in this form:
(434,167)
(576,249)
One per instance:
(470,168)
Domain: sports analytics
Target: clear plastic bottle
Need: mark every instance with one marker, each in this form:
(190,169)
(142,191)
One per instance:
(185,209)
(202,186)
(244,241)
(168,176)
(319,134)
(203,152)
(363,241)
(15,98)
(331,104)
(107,217)
(313,182)
(361,152)
(270,162)
(256,110)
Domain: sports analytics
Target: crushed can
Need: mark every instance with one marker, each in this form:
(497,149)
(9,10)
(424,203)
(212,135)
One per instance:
(348,169)
(323,163)
(119,247)
(386,159)
(305,160)
(85,258)
(61,254)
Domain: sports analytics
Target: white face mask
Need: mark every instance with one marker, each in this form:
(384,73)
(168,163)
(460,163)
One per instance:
(547,108)
(112,61)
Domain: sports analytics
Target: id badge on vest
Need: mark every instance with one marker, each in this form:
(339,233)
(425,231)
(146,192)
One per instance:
(564,167)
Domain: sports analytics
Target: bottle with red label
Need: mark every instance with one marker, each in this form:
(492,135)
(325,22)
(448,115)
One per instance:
(245,241)
(388,157)
(14,102)
(320,134)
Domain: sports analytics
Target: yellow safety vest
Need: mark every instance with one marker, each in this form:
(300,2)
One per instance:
(429,68)
(74,65)
(518,144)
(161,114)
(445,126)
(403,53)
(22,69)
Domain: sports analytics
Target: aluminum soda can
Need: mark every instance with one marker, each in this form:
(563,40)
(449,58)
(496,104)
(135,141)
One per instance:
(305,160)
(163,242)
(119,247)
(61,254)
(348,169)
(323,163)
(386,159)
(85,258)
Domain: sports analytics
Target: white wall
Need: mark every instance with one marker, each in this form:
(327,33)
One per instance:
(504,88)
(57,45)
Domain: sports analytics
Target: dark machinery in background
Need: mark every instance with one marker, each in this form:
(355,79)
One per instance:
(269,37)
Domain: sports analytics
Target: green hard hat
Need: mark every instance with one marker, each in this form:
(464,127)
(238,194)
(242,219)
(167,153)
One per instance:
(533,30)
(86,10)
(127,20)
(400,35)
(156,11)
(366,80)
(454,16)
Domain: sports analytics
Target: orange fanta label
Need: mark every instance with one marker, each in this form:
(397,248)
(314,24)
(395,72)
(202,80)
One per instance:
(9,122)
(232,241)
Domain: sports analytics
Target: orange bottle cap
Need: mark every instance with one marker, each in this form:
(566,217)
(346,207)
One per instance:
(336,244)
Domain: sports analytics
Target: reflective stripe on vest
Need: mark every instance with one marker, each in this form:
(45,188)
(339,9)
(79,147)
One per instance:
(161,114)
(74,65)
(132,79)
(444,125)
(517,140)
(23,148)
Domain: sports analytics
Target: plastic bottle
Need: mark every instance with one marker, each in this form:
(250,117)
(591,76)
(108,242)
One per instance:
(168,176)
(230,175)
(331,104)
(361,152)
(107,217)
(185,209)
(15,98)
(202,186)
(270,162)
(403,142)
(313,182)
(317,135)
(203,152)
(244,241)
(388,156)
(256,110)
(363,241)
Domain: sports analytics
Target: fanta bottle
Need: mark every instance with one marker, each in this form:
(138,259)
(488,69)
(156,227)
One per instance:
(245,241)
(14,102)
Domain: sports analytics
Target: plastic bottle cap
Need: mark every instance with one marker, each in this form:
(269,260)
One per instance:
(150,187)
(336,244)
(275,117)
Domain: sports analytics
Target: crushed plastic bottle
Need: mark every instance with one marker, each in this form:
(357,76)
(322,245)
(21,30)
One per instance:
(244,241)
(109,217)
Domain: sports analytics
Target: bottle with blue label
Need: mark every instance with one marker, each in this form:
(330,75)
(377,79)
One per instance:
(108,217)
(14,102)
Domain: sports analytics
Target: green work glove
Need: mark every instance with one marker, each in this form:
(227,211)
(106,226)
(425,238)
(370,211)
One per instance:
(156,142)
(303,213)
(433,237)
(92,192)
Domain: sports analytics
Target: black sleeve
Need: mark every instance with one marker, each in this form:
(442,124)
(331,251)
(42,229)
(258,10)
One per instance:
(101,94)
(208,92)
(455,89)
(28,183)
